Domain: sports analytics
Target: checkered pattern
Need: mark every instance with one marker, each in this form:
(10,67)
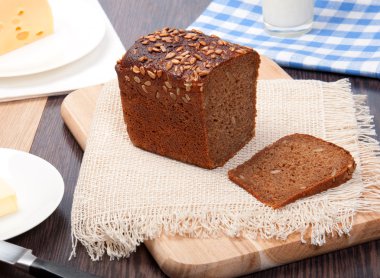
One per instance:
(345,37)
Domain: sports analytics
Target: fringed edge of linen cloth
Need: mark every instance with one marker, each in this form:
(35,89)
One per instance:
(119,234)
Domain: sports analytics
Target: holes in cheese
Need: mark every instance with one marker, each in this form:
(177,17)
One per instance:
(22,36)
(23,22)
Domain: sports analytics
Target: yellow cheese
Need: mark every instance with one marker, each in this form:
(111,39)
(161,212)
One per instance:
(8,200)
(23,22)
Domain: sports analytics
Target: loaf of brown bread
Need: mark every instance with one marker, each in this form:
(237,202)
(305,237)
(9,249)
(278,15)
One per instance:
(293,167)
(189,96)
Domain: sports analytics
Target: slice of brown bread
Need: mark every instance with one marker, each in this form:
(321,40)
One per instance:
(293,167)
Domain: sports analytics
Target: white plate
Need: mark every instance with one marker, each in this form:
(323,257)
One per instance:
(79,27)
(39,188)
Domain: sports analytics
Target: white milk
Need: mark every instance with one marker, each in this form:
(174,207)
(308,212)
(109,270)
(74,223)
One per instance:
(288,15)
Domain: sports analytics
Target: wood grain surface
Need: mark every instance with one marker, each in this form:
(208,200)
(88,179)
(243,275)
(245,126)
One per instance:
(222,257)
(53,141)
(19,121)
(80,118)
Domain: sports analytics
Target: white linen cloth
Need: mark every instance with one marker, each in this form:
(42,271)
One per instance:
(125,195)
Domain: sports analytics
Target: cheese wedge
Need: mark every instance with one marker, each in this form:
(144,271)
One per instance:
(23,22)
(8,200)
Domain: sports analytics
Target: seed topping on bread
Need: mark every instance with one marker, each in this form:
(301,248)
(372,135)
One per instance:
(183,55)
(189,96)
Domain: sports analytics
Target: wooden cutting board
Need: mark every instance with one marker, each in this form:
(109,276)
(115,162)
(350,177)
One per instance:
(222,257)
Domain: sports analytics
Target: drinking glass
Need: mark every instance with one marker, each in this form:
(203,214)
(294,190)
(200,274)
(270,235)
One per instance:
(288,18)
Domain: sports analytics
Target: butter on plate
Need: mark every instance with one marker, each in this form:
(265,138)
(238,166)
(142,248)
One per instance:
(8,199)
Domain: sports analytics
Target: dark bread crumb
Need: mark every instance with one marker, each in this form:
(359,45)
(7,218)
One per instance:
(189,96)
(295,166)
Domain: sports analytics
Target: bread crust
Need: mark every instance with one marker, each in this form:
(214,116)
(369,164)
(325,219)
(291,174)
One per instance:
(163,80)
(341,175)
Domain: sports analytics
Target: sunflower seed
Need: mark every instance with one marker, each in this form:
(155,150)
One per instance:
(275,171)
(151,74)
(198,57)
(189,35)
(170,55)
(192,60)
(241,51)
(136,69)
(143,59)
(168,65)
(144,88)
(173,96)
(203,73)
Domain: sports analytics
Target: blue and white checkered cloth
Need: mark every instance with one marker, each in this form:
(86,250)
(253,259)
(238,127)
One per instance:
(345,37)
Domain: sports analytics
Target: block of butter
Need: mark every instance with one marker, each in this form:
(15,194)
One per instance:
(8,200)
(23,22)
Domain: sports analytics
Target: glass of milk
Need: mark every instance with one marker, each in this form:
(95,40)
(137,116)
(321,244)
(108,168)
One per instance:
(288,18)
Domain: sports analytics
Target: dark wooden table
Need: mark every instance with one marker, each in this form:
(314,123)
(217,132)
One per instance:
(51,240)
